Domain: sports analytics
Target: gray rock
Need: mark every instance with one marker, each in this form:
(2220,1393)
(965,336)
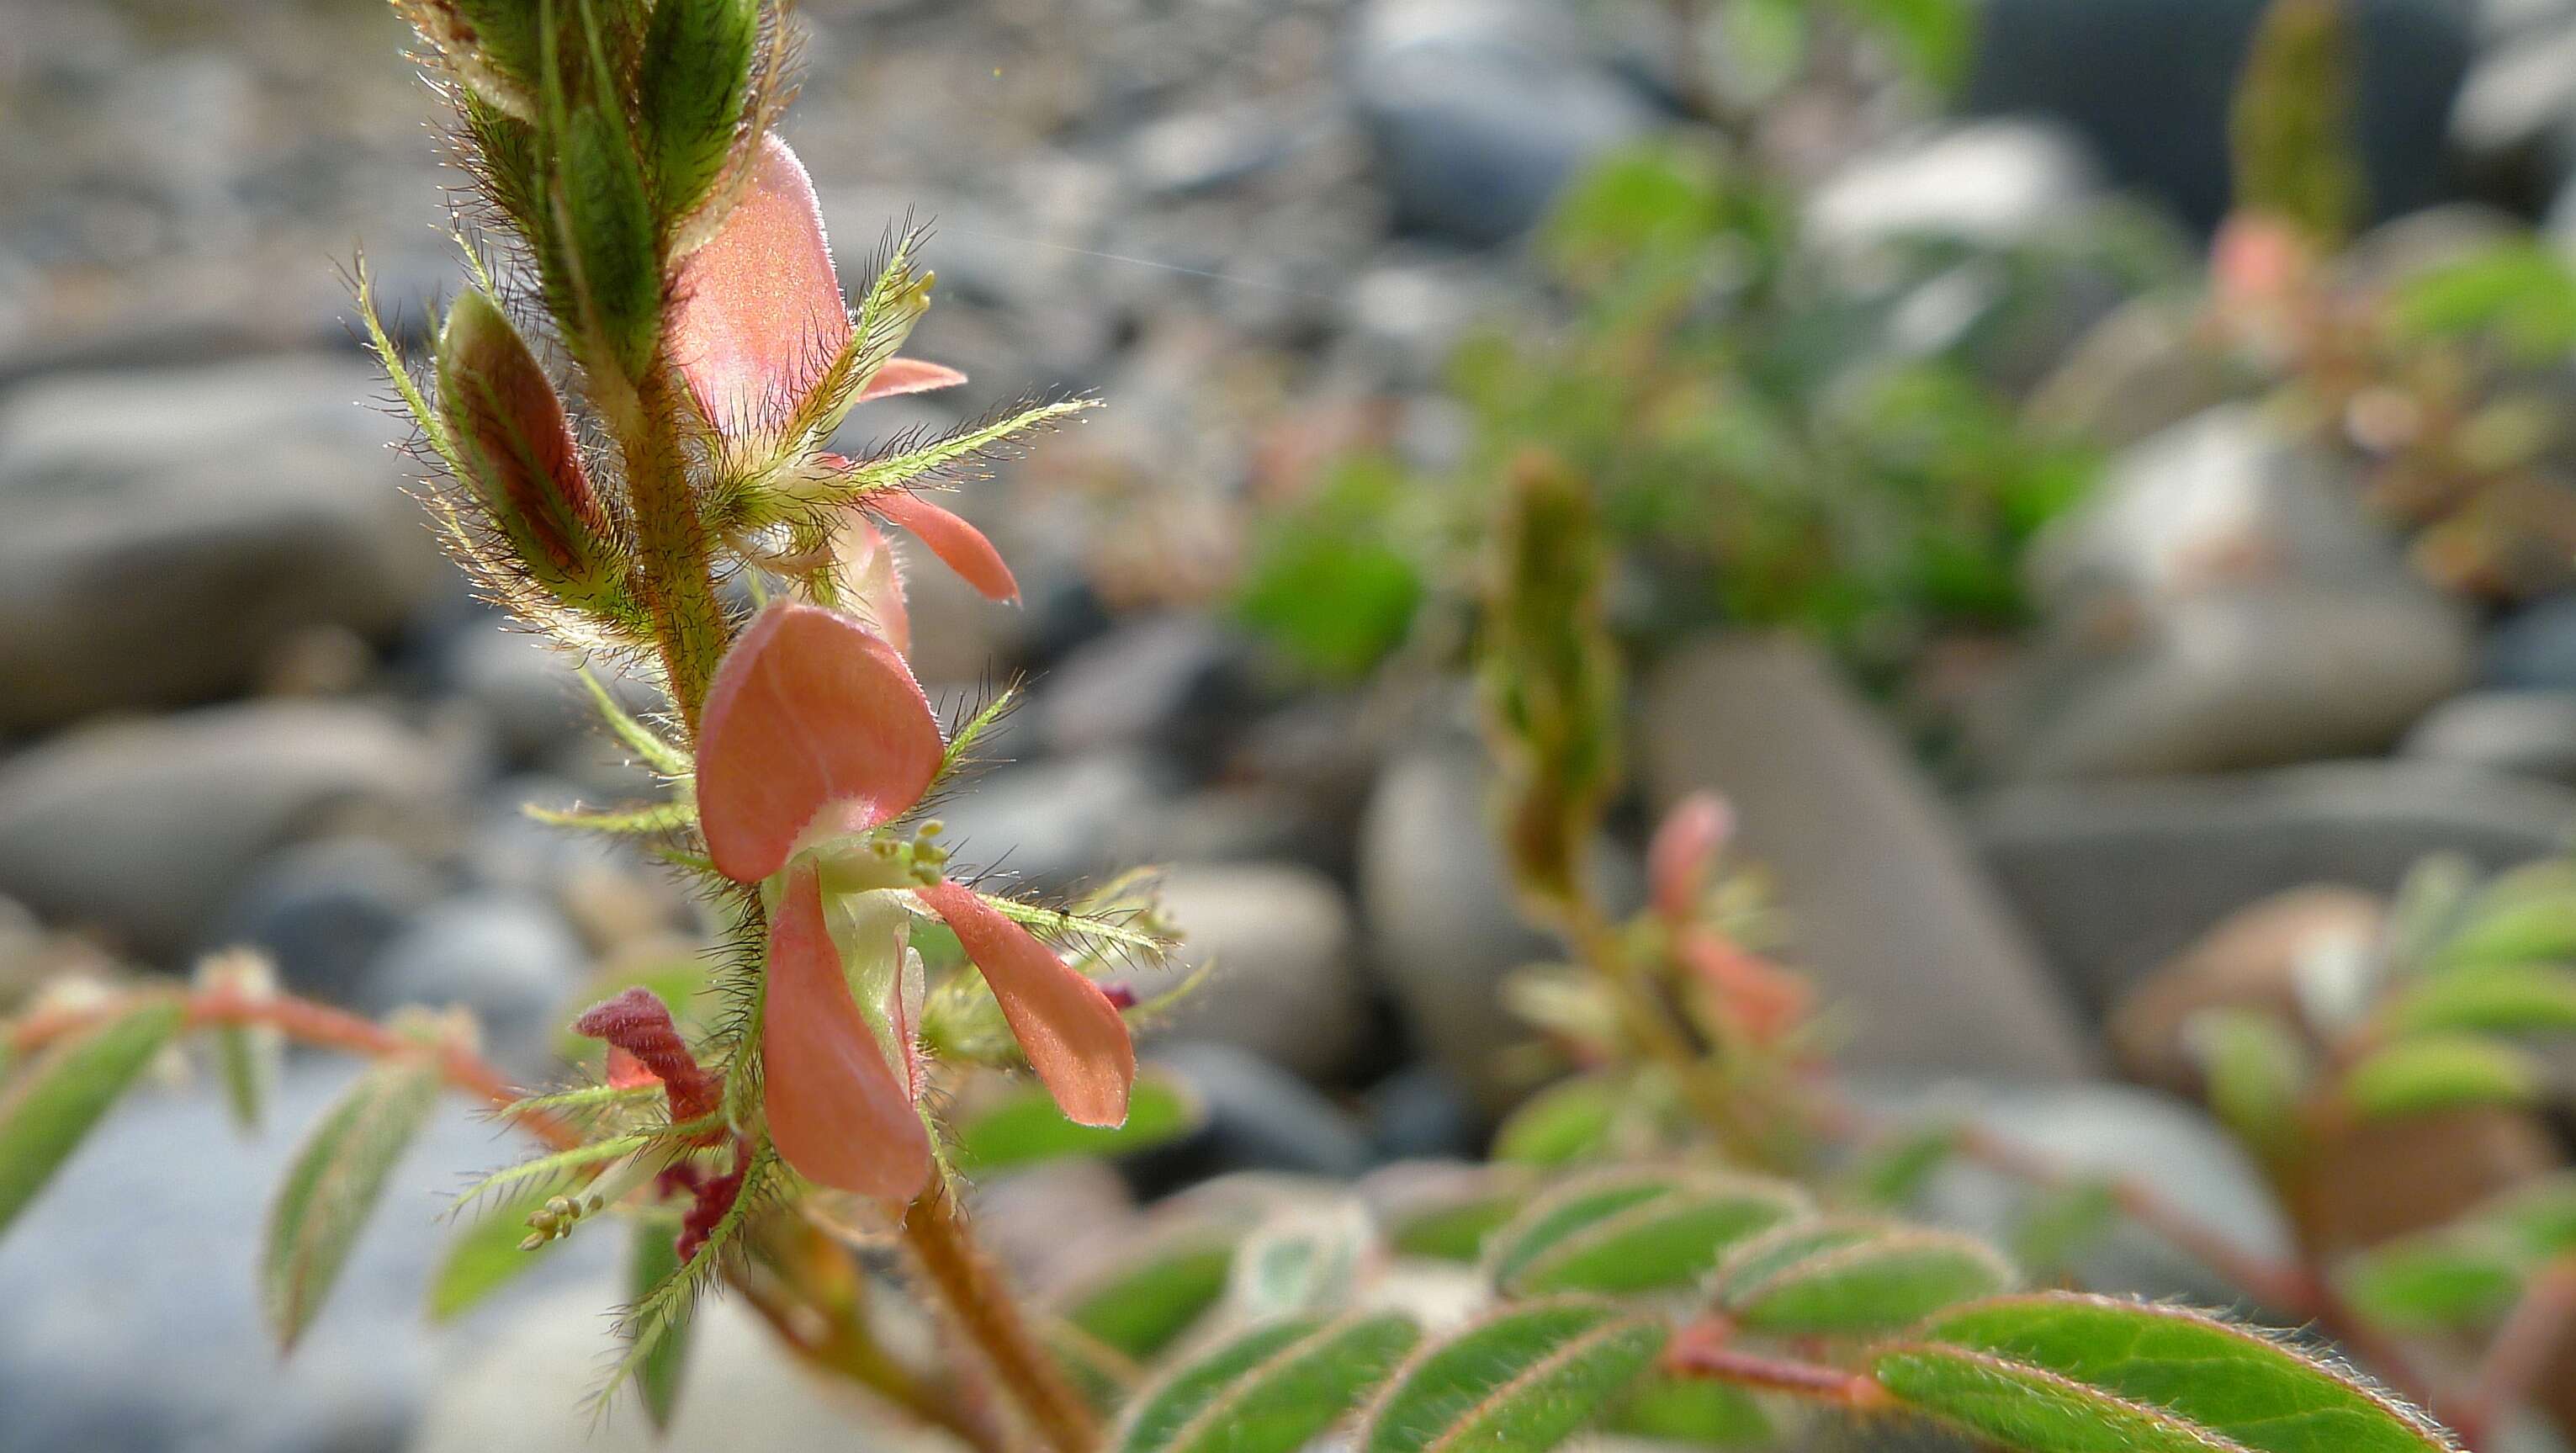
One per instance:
(324,910)
(526,1388)
(135,1325)
(2534,649)
(509,959)
(1991,183)
(2135,373)
(1443,929)
(1284,985)
(2116,878)
(1260,1117)
(530,689)
(1053,824)
(1886,904)
(1421,1113)
(144,829)
(1481,111)
(2515,120)
(170,528)
(1173,684)
(2528,733)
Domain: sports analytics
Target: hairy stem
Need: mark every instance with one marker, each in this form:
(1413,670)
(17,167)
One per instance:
(677,571)
(984,1310)
(1700,1350)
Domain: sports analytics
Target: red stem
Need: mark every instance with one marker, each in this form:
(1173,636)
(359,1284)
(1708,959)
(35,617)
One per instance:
(2520,1352)
(1700,1350)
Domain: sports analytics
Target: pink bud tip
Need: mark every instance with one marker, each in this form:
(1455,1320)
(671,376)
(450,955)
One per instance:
(644,1045)
(1765,999)
(811,722)
(959,545)
(1067,1026)
(909,376)
(836,1111)
(1677,860)
(757,316)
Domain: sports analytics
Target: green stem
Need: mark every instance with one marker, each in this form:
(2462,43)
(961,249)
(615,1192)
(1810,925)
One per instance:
(676,576)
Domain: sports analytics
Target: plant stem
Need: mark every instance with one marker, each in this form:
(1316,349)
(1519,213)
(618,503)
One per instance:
(1700,1350)
(678,575)
(1597,944)
(985,1311)
(2531,1334)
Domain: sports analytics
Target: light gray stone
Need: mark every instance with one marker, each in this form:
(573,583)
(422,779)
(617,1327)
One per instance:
(509,959)
(1285,986)
(2529,733)
(1886,904)
(1992,183)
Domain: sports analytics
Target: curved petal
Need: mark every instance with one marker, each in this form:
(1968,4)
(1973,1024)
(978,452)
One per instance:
(1678,858)
(909,376)
(808,713)
(1072,1034)
(756,314)
(873,581)
(958,544)
(836,1111)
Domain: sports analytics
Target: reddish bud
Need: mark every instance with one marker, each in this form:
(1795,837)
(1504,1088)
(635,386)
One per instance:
(811,723)
(756,313)
(1678,859)
(836,1111)
(643,1042)
(507,424)
(1763,998)
(1072,1034)
(959,545)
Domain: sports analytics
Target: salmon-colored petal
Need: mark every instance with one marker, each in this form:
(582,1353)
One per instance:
(909,376)
(958,544)
(1072,1034)
(836,1111)
(1767,1000)
(1677,860)
(811,721)
(756,314)
(626,1072)
(873,582)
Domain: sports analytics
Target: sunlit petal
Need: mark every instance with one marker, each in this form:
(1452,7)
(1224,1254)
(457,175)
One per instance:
(836,1110)
(1072,1034)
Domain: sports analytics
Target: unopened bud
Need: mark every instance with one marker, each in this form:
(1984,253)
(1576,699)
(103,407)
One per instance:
(697,69)
(608,227)
(509,429)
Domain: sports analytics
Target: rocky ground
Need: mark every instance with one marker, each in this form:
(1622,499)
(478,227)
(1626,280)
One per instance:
(242,700)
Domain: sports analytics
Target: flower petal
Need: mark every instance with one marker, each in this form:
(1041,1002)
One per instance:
(909,376)
(809,712)
(757,315)
(1072,1034)
(836,1111)
(1678,858)
(873,582)
(958,544)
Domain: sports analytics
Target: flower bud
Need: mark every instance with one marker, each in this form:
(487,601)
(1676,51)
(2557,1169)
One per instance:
(697,69)
(608,223)
(501,412)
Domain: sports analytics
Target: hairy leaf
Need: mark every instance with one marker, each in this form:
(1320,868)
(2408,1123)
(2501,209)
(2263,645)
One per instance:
(652,1260)
(1269,1390)
(1697,1410)
(60,1098)
(333,1187)
(1520,1382)
(1635,1231)
(1568,1121)
(1304,1259)
(1893,1172)
(1026,1127)
(2440,1072)
(1143,1306)
(2499,998)
(1847,1276)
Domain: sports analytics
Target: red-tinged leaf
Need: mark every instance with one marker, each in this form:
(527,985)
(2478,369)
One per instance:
(1677,860)
(1072,1034)
(873,582)
(909,376)
(808,712)
(836,1111)
(959,545)
(757,315)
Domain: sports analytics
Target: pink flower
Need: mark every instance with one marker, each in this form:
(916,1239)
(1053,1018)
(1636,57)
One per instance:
(1677,861)
(814,728)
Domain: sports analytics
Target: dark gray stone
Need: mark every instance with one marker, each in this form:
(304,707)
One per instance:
(1176,684)
(509,959)
(2116,878)
(324,909)
(2534,649)
(1260,1117)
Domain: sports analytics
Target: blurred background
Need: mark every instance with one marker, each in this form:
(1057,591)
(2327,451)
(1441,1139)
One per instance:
(2093,484)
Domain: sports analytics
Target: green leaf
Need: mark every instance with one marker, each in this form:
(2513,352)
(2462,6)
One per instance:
(247,1056)
(333,1187)
(60,1098)
(2440,1072)
(1270,1390)
(1933,37)
(2524,916)
(1144,1305)
(652,1260)
(1635,1231)
(2257,1073)
(696,69)
(1568,1121)
(651,818)
(1839,1277)
(1453,1226)
(2519,288)
(1697,1410)
(2437,1282)
(1026,1127)
(642,740)
(1891,1173)
(1520,1382)
(2067,1373)
(1302,1260)
(485,1257)
(2497,998)
(2058,1224)
(1327,582)
(1104,1377)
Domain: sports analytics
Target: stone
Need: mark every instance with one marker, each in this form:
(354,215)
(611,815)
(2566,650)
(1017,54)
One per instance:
(2525,733)
(2117,877)
(1260,1117)
(135,1324)
(2137,372)
(510,960)
(2533,649)
(1421,1112)
(171,527)
(1988,183)
(1171,684)
(1052,825)
(1887,906)
(530,689)
(324,909)
(1284,984)
(2150,84)
(145,829)
(2254,958)
(2515,122)
(1481,111)
(1443,929)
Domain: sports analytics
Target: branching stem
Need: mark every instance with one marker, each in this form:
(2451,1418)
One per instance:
(983,1308)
